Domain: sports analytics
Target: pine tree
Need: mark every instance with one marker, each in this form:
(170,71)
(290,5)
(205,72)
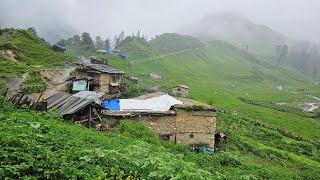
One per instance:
(99,43)
(87,42)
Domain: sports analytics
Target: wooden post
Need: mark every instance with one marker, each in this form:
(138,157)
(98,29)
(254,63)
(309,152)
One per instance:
(16,103)
(34,106)
(90,112)
(5,92)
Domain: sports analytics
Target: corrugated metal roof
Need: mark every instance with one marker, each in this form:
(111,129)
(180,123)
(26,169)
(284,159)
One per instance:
(67,104)
(89,95)
(98,67)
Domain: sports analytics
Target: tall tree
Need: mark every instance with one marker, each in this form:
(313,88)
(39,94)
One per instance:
(99,43)
(32,29)
(138,34)
(62,42)
(116,41)
(282,52)
(122,36)
(107,44)
(87,42)
(76,39)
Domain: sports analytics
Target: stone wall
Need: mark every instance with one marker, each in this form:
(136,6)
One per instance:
(192,127)
(180,92)
(105,83)
(196,127)
(155,76)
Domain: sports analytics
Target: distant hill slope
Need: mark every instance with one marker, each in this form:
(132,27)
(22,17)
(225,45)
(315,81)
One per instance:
(138,48)
(171,42)
(239,31)
(245,88)
(23,52)
(219,73)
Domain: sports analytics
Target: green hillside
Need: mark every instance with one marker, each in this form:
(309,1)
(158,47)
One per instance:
(241,84)
(138,48)
(171,42)
(265,140)
(23,52)
(219,75)
(240,31)
(29,53)
(38,145)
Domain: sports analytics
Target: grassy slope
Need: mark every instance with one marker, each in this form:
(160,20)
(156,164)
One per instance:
(239,30)
(41,145)
(219,75)
(171,42)
(138,48)
(32,55)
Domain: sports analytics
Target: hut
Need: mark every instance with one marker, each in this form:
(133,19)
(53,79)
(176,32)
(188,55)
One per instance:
(177,120)
(180,91)
(58,48)
(155,76)
(104,78)
(83,107)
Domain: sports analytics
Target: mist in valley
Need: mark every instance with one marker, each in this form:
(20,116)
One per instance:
(285,31)
(294,18)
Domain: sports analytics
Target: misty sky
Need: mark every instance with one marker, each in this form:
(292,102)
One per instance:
(296,18)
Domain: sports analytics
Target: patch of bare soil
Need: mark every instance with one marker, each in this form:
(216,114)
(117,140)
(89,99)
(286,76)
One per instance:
(57,80)
(8,54)
(14,84)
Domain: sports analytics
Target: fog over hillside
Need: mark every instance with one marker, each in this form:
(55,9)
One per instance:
(54,18)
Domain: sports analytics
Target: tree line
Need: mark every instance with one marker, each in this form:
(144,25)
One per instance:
(88,44)
(304,56)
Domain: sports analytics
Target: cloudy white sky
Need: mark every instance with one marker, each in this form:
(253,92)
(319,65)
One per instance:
(296,18)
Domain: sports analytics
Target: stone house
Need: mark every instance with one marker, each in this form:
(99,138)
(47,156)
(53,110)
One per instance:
(185,121)
(180,91)
(98,77)
(155,76)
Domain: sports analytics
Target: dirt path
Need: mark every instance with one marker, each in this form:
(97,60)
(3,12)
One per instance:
(171,54)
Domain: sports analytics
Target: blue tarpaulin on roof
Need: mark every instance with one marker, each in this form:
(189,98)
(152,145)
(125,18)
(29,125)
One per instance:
(111,104)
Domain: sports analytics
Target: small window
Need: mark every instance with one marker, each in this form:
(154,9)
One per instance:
(164,137)
(191,135)
(114,78)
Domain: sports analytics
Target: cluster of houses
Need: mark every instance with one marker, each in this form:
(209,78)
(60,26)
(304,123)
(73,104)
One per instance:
(173,117)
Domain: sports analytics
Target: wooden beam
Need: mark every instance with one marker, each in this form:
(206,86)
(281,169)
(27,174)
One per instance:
(90,113)
(17,102)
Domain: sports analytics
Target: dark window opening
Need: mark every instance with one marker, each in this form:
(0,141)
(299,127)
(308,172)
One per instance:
(191,135)
(164,137)
(114,78)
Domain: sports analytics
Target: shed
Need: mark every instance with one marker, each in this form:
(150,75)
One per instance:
(155,76)
(180,91)
(58,48)
(105,78)
(122,54)
(177,120)
(80,108)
